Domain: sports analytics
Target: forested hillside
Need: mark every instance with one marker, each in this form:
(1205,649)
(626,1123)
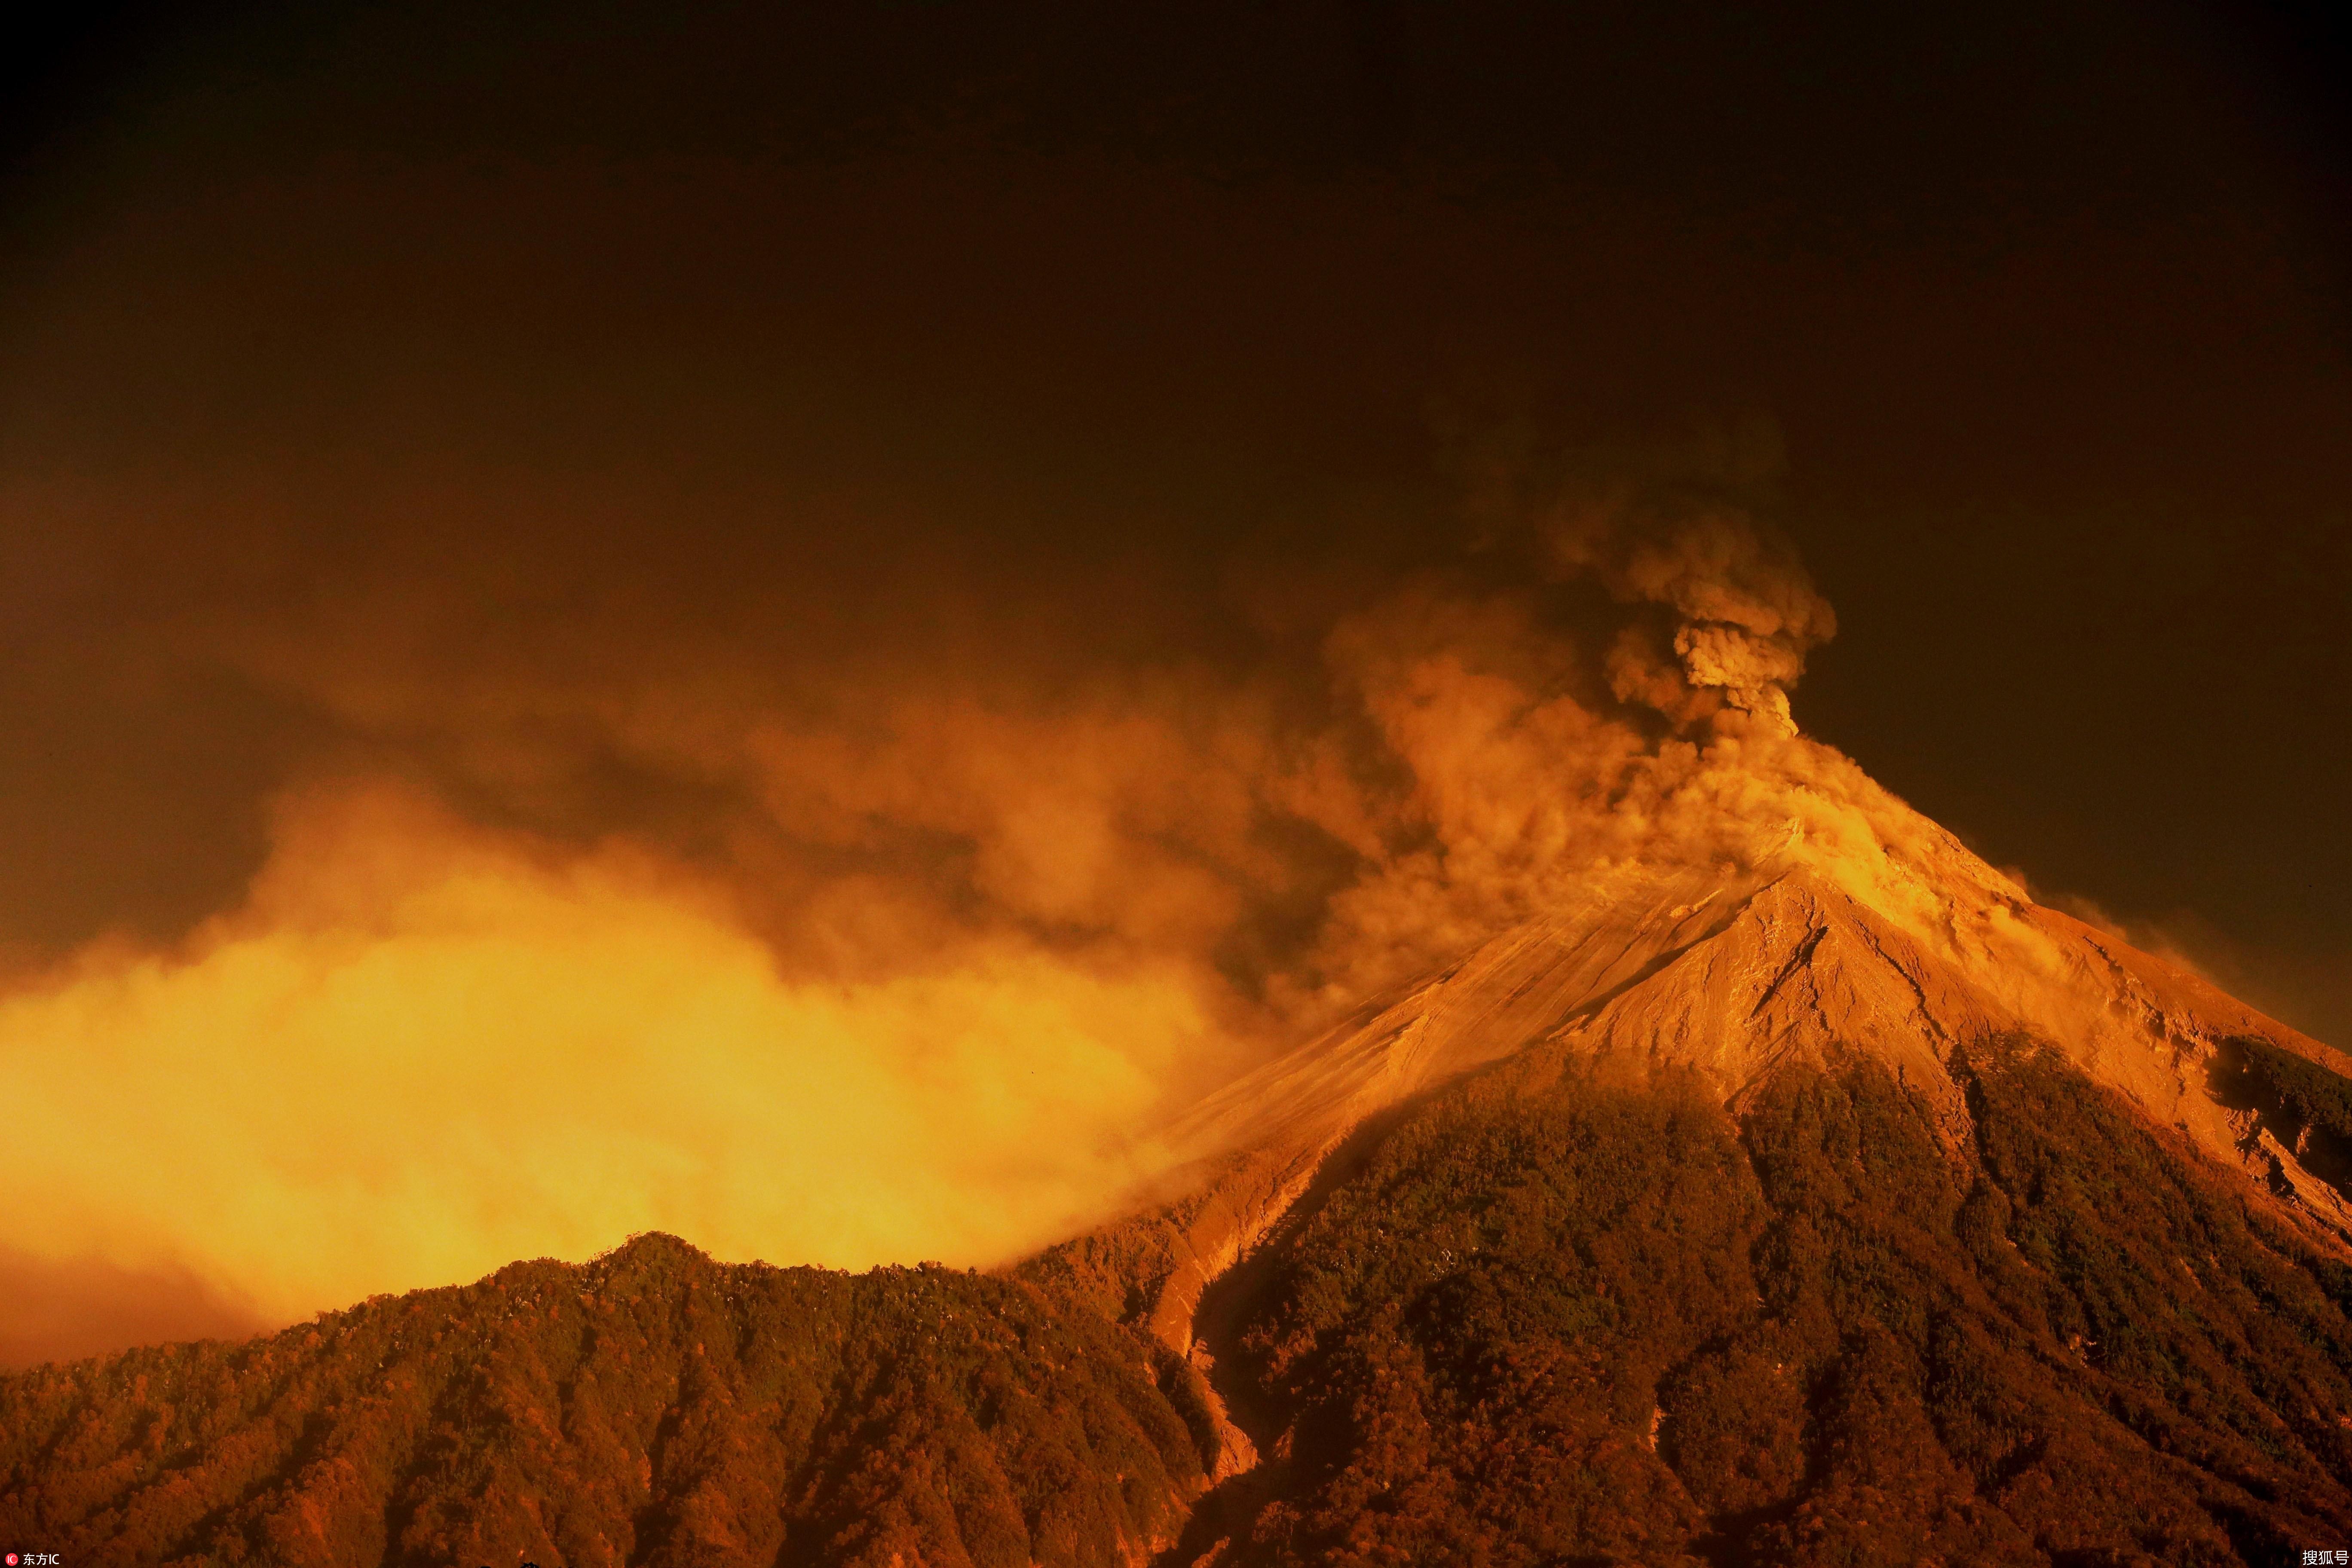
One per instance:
(651,1407)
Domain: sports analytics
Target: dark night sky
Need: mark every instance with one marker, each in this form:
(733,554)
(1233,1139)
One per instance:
(2050,308)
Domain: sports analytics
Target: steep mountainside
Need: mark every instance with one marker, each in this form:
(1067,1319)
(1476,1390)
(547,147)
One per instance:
(1773,1228)
(1561,1314)
(1850,1211)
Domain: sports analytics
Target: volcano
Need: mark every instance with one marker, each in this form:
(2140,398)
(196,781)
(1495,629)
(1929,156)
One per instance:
(1830,1203)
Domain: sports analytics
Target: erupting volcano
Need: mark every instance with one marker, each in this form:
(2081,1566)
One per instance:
(1819,1199)
(1067,786)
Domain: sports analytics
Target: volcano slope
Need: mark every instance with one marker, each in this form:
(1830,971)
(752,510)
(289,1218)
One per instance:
(1555,1315)
(1783,1236)
(1728,1219)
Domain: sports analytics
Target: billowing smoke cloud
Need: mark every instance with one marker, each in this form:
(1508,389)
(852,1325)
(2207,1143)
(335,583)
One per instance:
(418,1048)
(577,703)
(621,905)
(1668,527)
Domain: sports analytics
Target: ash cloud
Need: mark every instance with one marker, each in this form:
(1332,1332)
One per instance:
(1670,525)
(747,799)
(631,891)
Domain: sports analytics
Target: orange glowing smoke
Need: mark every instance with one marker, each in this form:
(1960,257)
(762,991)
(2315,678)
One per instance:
(415,1054)
(938,944)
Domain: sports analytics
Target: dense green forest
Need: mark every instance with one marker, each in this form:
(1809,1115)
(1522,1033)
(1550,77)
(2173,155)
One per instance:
(1543,1318)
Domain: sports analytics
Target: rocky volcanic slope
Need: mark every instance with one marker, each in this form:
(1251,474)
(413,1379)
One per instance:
(1806,1218)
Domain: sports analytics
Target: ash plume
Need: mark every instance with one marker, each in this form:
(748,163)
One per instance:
(626,900)
(723,777)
